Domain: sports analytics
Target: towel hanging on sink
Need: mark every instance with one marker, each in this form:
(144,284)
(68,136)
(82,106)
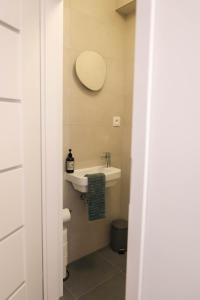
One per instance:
(96,196)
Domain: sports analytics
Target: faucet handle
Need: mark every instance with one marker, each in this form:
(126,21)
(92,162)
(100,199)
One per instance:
(106,155)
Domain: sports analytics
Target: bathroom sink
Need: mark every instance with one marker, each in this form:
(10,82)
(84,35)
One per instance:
(80,182)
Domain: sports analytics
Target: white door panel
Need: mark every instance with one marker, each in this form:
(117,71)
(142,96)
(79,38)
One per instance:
(9,62)
(10,12)
(10,135)
(11,264)
(20,294)
(11,203)
(20,151)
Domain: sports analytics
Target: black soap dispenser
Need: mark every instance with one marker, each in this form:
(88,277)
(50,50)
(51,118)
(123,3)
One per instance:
(69,164)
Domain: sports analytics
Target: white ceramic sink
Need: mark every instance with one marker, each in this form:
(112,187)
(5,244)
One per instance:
(80,182)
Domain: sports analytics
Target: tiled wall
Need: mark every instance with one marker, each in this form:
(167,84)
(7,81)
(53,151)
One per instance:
(94,25)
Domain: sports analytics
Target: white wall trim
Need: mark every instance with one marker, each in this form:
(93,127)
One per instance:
(52,149)
(140,146)
(147,143)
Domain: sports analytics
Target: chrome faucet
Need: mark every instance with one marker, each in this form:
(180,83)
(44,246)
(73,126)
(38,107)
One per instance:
(107,157)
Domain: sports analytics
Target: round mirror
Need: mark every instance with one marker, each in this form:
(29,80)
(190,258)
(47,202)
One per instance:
(91,70)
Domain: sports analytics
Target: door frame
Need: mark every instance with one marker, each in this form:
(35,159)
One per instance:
(51,12)
(52,134)
(143,68)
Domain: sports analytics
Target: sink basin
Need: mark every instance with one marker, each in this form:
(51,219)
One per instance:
(80,182)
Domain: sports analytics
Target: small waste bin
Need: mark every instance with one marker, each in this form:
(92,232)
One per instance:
(119,233)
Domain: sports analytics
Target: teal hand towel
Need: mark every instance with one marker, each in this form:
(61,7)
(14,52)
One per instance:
(96,196)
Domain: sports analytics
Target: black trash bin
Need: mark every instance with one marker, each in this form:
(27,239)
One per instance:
(119,233)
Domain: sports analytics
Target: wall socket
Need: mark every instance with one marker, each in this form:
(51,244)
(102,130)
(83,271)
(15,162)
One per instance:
(116,121)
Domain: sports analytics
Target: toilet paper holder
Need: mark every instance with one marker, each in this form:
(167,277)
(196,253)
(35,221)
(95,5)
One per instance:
(66,215)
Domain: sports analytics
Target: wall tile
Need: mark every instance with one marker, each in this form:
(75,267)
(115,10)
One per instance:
(94,8)
(90,33)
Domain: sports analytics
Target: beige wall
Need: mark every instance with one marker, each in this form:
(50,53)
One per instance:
(94,25)
(123,2)
(128,108)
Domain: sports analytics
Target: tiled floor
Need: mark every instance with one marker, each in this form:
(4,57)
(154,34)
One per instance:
(98,276)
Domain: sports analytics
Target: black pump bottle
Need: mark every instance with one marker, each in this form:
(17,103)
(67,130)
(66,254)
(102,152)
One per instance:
(69,163)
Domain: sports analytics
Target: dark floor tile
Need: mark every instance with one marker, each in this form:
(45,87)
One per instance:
(67,296)
(116,259)
(87,273)
(114,289)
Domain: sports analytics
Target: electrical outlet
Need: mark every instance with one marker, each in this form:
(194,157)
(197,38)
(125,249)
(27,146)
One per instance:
(116,121)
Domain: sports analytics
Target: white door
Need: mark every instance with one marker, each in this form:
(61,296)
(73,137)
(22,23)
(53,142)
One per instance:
(164,239)
(20,152)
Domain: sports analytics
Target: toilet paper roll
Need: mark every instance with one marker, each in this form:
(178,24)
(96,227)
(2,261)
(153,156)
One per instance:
(66,215)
